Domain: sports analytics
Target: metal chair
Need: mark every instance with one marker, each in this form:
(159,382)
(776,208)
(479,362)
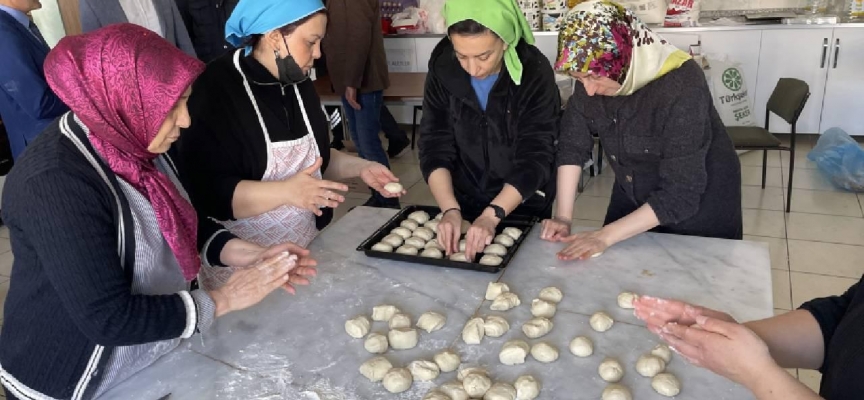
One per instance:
(787,101)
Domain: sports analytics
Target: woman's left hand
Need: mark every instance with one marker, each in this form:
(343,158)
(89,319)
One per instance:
(479,235)
(584,245)
(376,176)
(239,253)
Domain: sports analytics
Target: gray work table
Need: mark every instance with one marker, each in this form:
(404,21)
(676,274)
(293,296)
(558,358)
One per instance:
(295,347)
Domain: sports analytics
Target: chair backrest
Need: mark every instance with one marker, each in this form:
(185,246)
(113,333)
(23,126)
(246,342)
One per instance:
(788,99)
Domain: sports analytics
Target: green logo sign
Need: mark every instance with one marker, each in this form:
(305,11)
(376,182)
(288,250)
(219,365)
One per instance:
(732,79)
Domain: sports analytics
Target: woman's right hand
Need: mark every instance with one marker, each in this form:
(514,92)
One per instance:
(450,231)
(309,192)
(658,312)
(247,287)
(556,229)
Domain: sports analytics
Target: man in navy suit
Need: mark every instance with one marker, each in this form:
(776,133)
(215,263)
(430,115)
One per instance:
(27,104)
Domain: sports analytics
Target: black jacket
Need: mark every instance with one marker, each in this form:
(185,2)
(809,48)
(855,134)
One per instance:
(205,21)
(513,142)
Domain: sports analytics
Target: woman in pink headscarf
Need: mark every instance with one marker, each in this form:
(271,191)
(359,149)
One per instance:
(105,241)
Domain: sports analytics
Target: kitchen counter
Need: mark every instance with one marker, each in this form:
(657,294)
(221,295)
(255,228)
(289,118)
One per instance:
(295,347)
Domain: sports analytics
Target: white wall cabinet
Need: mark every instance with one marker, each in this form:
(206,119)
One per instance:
(844,90)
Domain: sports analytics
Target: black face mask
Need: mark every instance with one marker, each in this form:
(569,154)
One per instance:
(289,72)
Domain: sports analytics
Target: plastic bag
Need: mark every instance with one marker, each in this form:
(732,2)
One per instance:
(683,13)
(410,21)
(729,90)
(841,159)
(649,11)
(434,15)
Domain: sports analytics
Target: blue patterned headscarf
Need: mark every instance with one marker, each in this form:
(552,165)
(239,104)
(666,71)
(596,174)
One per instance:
(253,17)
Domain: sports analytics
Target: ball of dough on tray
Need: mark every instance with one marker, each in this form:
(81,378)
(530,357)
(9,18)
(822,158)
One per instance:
(393,240)
(432,253)
(504,240)
(415,242)
(491,260)
(404,233)
(495,249)
(409,224)
(459,257)
(407,250)
(382,247)
(514,233)
(421,217)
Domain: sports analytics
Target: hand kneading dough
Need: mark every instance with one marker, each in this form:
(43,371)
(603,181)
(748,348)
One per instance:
(544,352)
(463,245)
(393,240)
(357,327)
(543,308)
(433,225)
(514,352)
(431,321)
(402,338)
(611,370)
(416,242)
(394,187)
(460,257)
(505,301)
(382,247)
(455,390)
(500,391)
(527,388)
(666,384)
(495,249)
(383,312)
(423,370)
(474,331)
(551,294)
(375,368)
(376,343)
(470,370)
(420,216)
(625,300)
(436,395)
(648,365)
(537,327)
(404,233)
(424,233)
(514,233)
(495,326)
(601,322)
(407,250)
(476,385)
(433,244)
(582,347)
(398,380)
(663,351)
(495,289)
(447,360)
(409,224)
(504,240)
(616,392)
(491,260)
(399,321)
(432,253)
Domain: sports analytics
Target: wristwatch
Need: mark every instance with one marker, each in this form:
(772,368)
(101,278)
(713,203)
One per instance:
(499,212)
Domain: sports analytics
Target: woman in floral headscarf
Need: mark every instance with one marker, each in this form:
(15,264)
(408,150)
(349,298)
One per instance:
(676,170)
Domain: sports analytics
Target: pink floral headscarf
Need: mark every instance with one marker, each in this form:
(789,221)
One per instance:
(122,81)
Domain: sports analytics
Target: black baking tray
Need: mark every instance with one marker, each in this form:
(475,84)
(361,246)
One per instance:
(515,221)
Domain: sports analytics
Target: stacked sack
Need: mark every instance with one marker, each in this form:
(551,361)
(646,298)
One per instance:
(553,14)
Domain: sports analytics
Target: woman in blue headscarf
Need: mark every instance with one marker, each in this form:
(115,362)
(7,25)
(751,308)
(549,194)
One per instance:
(257,155)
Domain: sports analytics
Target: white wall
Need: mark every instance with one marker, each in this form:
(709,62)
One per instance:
(712,5)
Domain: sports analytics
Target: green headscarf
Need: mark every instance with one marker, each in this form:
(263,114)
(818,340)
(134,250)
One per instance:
(503,17)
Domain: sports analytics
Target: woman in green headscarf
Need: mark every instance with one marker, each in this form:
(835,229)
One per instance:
(675,168)
(490,122)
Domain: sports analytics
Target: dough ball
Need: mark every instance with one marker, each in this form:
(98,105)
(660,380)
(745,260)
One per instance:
(616,392)
(495,249)
(476,385)
(433,225)
(463,245)
(544,352)
(514,352)
(394,187)
(398,380)
(432,253)
(358,327)
(407,250)
(495,326)
(611,370)
(383,312)
(455,390)
(433,244)
(504,240)
(494,289)
(402,338)
(595,255)
(649,366)
(666,384)
(424,233)
(376,343)
(625,300)
(393,240)
(431,321)
(415,241)
(537,327)
(404,233)
(409,224)
(464,228)
(500,391)
(514,233)
(470,370)
(474,331)
(438,216)
(551,294)
(447,360)
(421,217)
(542,308)
(459,257)
(601,322)
(491,260)
(436,395)
(505,301)
(423,370)
(400,321)
(582,347)
(382,247)
(527,388)
(663,351)
(375,368)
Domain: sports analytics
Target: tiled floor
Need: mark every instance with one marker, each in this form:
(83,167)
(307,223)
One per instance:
(816,250)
